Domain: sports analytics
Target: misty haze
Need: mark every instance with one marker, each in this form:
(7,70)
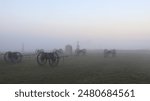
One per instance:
(80,41)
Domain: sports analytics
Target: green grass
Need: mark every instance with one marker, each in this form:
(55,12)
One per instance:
(126,68)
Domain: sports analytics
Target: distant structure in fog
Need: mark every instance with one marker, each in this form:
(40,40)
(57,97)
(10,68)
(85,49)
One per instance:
(79,51)
(68,50)
(108,53)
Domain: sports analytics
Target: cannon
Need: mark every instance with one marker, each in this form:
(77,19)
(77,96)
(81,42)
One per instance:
(13,57)
(108,53)
(51,57)
(80,52)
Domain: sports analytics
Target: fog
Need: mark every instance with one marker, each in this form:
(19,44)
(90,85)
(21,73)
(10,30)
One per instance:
(32,42)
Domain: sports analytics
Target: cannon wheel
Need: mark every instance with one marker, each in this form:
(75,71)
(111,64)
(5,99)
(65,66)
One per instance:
(41,58)
(54,60)
(7,57)
(17,57)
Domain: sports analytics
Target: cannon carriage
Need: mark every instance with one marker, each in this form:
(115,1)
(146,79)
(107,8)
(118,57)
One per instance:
(51,57)
(13,57)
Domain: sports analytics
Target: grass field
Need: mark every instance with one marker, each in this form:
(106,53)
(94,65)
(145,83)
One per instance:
(126,68)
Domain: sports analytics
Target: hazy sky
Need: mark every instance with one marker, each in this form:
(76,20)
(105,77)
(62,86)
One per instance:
(48,24)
